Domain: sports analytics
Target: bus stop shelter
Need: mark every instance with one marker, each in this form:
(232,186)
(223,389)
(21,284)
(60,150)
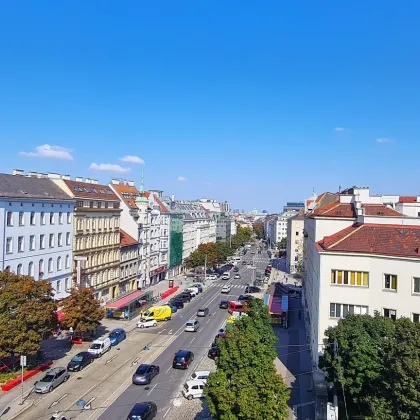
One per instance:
(130,305)
(278,308)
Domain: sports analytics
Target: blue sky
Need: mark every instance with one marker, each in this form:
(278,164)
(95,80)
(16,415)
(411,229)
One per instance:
(252,102)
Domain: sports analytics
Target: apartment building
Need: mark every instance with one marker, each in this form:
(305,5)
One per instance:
(96,234)
(36,229)
(294,246)
(129,252)
(360,256)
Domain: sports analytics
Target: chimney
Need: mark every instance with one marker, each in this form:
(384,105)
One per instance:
(33,174)
(66,177)
(78,179)
(87,180)
(130,183)
(94,181)
(41,175)
(113,181)
(173,197)
(53,175)
(18,172)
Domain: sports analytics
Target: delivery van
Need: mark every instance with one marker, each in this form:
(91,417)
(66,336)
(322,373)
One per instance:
(226,275)
(159,313)
(235,306)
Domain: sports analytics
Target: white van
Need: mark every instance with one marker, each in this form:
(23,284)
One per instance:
(193,389)
(193,290)
(226,275)
(237,258)
(100,346)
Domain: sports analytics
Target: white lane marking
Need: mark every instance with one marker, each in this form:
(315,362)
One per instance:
(192,340)
(170,332)
(57,401)
(169,368)
(208,321)
(167,411)
(151,390)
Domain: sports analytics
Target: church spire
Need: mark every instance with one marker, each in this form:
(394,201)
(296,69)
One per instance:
(142,196)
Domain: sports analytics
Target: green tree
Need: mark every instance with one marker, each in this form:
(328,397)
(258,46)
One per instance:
(246,385)
(258,228)
(27,314)
(282,244)
(81,311)
(196,259)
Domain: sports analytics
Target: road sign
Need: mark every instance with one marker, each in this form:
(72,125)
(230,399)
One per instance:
(23,361)
(80,258)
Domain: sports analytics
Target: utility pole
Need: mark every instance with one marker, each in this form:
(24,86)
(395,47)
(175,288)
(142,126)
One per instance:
(205,268)
(22,365)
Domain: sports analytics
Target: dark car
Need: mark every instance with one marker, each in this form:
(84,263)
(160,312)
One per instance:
(243,298)
(199,286)
(182,359)
(236,269)
(143,411)
(252,289)
(79,361)
(116,336)
(243,262)
(213,352)
(224,304)
(144,374)
(203,312)
(184,297)
(177,302)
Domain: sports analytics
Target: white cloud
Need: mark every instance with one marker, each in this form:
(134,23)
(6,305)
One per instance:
(132,159)
(339,129)
(181,179)
(384,140)
(108,167)
(52,152)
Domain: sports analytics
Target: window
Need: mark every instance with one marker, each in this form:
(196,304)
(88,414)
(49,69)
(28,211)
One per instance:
(66,284)
(341,310)
(9,218)
(41,241)
(297,233)
(31,269)
(350,278)
(68,238)
(91,204)
(67,261)
(99,204)
(60,239)
(390,282)
(21,244)
(60,218)
(51,218)
(19,270)
(416,285)
(416,317)
(59,267)
(51,240)
(42,218)
(79,204)
(21,218)
(32,218)
(390,313)
(41,269)
(50,265)
(68,217)
(106,204)
(58,286)
(9,245)
(32,243)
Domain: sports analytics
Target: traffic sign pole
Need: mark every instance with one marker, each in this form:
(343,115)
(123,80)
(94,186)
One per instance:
(22,365)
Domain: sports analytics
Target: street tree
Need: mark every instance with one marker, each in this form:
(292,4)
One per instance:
(28,314)
(258,228)
(282,244)
(196,259)
(81,311)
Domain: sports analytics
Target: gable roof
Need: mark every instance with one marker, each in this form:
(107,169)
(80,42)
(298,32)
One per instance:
(407,199)
(126,239)
(128,194)
(19,186)
(87,190)
(393,240)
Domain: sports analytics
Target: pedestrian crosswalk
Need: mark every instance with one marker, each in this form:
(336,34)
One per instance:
(233,286)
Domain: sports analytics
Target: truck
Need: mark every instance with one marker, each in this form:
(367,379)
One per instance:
(158,313)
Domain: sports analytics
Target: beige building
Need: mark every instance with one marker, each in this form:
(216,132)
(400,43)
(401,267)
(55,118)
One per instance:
(96,234)
(129,265)
(294,247)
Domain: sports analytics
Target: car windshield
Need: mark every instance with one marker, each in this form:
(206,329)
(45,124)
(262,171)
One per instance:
(202,310)
(113,334)
(180,358)
(190,324)
(77,358)
(141,370)
(47,378)
(95,346)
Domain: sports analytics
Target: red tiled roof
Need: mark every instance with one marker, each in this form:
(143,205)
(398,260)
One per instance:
(394,240)
(128,194)
(347,210)
(163,209)
(407,199)
(87,190)
(379,210)
(126,239)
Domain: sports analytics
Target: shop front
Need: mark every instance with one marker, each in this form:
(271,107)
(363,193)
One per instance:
(159,274)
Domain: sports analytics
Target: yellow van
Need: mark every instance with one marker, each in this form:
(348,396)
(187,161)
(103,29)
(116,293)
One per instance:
(159,313)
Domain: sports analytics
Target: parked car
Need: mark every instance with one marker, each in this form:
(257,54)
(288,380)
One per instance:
(76,340)
(143,411)
(237,276)
(192,325)
(182,359)
(173,309)
(51,380)
(184,297)
(144,374)
(224,304)
(146,323)
(176,302)
(199,286)
(213,352)
(79,361)
(236,269)
(116,336)
(100,346)
(199,375)
(243,298)
(203,312)
(252,289)
(193,389)
(226,289)
(211,277)
(244,262)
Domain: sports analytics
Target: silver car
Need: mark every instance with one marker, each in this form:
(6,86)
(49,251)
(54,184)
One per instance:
(51,380)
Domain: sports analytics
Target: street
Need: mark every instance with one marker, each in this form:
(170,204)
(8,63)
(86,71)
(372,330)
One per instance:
(106,384)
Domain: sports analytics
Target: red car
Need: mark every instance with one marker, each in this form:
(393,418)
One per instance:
(77,340)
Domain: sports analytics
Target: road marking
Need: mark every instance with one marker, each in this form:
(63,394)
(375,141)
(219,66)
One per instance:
(57,401)
(192,340)
(208,321)
(88,405)
(166,413)
(151,390)
(170,332)
(111,359)
(169,368)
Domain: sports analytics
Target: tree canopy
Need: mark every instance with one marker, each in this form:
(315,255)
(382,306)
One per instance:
(81,311)
(377,363)
(258,228)
(246,385)
(282,244)
(27,314)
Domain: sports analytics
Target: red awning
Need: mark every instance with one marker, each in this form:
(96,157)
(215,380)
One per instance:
(125,301)
(60,315)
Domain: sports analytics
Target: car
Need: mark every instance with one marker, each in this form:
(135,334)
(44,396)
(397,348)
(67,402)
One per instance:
(192,325)
(182,359)
(213,352)
(185,296)
(243,298)
(236,269)
(51,380)
(143,411)
(116,336)
(226,289)
(192,292)
(173,308)
(253,267)
(252,252)
(220,334)
(211,277)
(146,323)
(252,289)
(199,286)
(144,374)
(244,262)
(193,389)
(76,340)
(237,276)
(203,312)
(100,346)
(201,375)
(176,302)
(224,304)
(79,361)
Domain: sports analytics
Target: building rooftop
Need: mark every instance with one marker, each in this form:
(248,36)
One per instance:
(407,199)
(347,210)
(392,240)
(19,186)
(93,191)
(126,239)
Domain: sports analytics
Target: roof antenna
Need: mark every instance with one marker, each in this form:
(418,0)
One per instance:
(339,189)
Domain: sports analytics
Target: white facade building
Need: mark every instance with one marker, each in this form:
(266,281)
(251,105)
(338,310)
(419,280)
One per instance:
(294,247)
(37,227)
(360,256)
